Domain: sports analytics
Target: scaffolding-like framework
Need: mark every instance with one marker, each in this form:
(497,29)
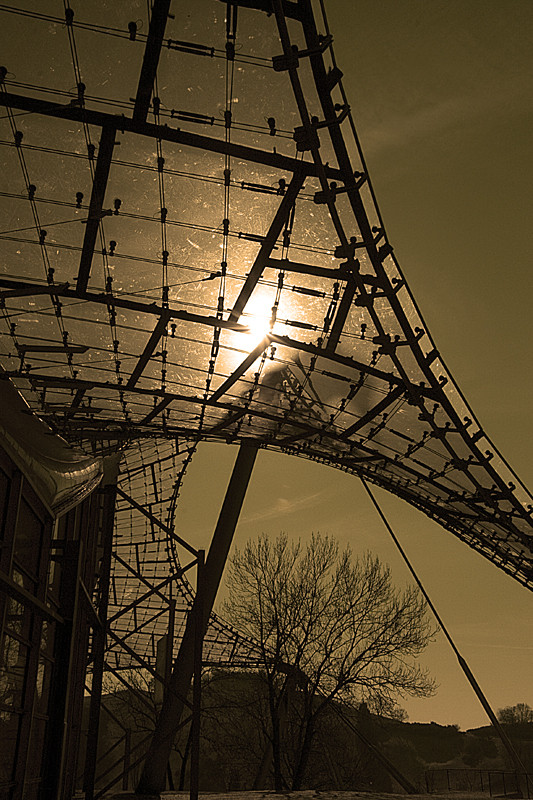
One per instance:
(181,266)
(192,251)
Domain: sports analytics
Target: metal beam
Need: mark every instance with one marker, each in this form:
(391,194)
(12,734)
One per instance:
(197,681)
(121,641)
(22,595)
(76,402)
(138,694)
(298,437)
(155,590)
(101,175)
(157,521)
(99,637)
(156,410)
(166,134)
(152,51)
(342,312)
(140,577)
(393,395)
(148,351)
(241,369)
(128,767)
(347,361)
(284,265)
(225,423)
(293,344)
(52,348)
(280,218)
(153,776)
(25,288)
(28,289)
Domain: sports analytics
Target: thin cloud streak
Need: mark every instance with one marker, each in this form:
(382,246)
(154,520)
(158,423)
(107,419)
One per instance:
(284,506)
(447,114)
(500,646)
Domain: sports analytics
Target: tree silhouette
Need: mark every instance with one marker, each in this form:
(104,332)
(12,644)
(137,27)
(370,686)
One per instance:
(331,628)
(518,714)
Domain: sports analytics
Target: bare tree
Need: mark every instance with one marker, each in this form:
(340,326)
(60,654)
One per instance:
(518,714)
(331,628)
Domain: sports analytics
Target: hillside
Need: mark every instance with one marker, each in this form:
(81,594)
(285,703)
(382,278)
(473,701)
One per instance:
(233,744)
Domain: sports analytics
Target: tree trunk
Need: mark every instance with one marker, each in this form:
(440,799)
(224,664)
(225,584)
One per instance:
(184,762)
(301,766)
(276,744)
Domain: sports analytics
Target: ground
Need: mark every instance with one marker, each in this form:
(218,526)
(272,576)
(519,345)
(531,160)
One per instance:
(307,795)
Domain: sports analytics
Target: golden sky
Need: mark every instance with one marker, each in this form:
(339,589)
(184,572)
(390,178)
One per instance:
(441,95)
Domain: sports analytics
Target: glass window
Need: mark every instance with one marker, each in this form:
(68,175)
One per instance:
(9,726)
(23,579)
(54,574)
(13,660)
(28,539)
(36,746)
(18,618)
(45,668)
(4,494)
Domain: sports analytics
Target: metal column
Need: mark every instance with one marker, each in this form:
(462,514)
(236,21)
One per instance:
(153,777)
(109,493)
(197,683)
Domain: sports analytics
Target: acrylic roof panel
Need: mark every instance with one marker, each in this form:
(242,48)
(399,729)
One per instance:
(194,251)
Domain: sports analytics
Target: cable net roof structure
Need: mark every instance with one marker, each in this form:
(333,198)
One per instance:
(192,251)
(150,593)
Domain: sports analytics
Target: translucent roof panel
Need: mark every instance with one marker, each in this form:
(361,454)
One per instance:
(191,250)
(150,587)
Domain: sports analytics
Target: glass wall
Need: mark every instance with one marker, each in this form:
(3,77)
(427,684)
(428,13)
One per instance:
(43,563)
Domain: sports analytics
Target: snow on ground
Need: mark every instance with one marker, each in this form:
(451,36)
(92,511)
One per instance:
(306,795)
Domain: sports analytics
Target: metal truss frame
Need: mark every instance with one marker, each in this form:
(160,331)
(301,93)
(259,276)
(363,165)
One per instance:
(435,455)
(484,509)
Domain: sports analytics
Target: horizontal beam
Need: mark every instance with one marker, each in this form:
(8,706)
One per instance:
(352,363)
(54,408)
(134,430)
(214,322)
(225,423)
(284,265)
(27,288)
(56,381)
(52,348)
(165,133)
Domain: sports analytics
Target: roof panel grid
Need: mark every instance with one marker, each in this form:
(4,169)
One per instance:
(200,218)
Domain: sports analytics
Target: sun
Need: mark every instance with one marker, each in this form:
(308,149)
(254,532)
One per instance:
(258,318)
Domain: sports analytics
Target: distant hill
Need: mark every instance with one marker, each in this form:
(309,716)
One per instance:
(234,740)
